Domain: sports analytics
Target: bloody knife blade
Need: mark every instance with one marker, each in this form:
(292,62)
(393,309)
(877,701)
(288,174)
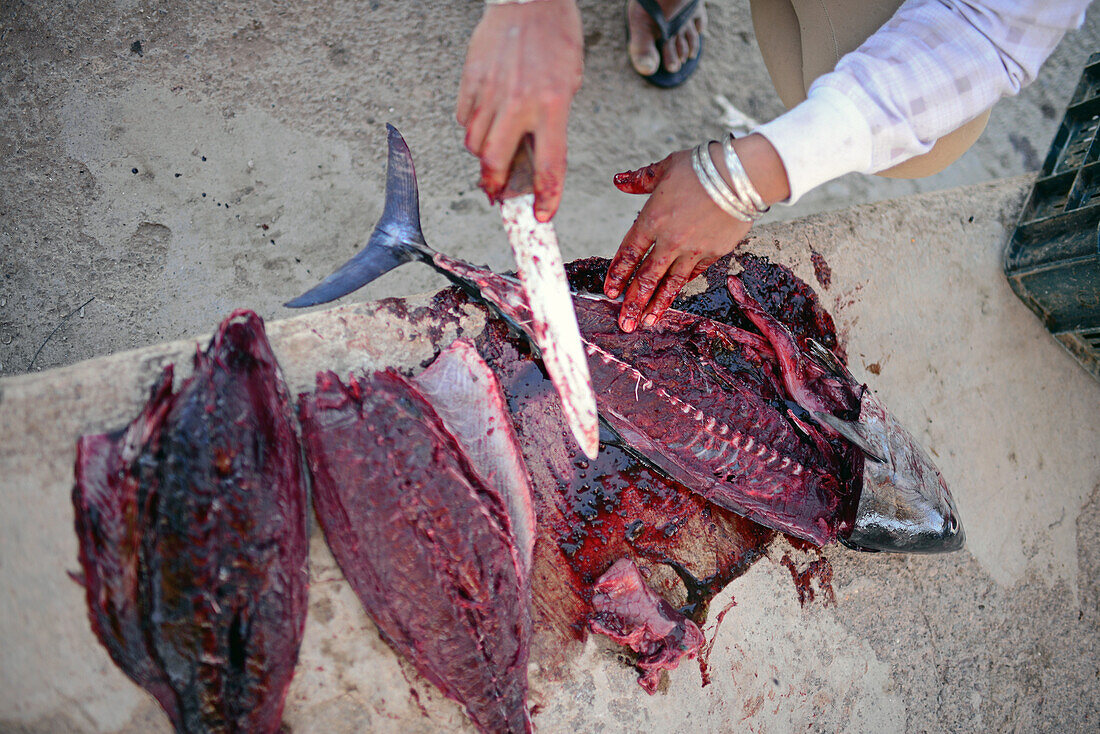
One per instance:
(538,260)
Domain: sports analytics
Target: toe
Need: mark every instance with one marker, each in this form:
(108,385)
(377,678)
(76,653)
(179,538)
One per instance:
(691,35)
(682,49)
(645,60)
(693,31)
(642,47)
(671,57)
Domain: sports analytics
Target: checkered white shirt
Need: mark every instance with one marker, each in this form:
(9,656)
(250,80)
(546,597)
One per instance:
(935,65)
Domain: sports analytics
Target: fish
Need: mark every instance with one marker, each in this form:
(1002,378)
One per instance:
(192,528)
(784,447)
(429,514)
(594,512)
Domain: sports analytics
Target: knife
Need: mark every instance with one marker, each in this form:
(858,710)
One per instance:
(538,260)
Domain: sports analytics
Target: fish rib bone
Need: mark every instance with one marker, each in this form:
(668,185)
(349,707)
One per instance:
(710,424)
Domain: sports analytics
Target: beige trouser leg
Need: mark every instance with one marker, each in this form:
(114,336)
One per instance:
(802,39)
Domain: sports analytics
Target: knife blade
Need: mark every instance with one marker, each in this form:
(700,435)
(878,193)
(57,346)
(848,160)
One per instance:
(539,263)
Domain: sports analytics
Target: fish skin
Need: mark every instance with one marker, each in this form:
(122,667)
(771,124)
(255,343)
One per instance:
(424,542)
(770,489)
(468,398)
(194,545)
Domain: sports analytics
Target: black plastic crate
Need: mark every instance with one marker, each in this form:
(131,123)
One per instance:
(1053,259)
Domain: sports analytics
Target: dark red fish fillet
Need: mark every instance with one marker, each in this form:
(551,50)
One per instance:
(192,529)
(107,526)
(625,609)
(424,541)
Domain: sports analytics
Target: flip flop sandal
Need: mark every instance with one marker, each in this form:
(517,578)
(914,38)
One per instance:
(668,29)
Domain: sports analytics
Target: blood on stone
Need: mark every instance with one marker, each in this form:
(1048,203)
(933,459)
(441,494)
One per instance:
(821,570)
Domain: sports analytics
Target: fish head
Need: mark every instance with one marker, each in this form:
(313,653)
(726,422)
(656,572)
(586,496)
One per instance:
(905,505)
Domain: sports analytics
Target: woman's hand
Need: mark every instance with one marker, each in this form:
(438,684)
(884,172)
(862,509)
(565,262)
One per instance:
(680,232)
(523,68)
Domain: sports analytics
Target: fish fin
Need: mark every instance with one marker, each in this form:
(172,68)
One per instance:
(827,360)
(382,254)
(401,214)
(396,239)
(852,431)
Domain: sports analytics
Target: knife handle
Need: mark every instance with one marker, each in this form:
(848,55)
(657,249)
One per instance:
(521,180)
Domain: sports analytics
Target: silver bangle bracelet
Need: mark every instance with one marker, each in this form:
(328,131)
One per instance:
(716,188)
(742,185)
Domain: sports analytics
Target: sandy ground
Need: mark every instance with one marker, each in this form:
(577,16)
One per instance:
(257,133)
(240,157)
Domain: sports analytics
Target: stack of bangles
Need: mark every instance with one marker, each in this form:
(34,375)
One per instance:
(741,201)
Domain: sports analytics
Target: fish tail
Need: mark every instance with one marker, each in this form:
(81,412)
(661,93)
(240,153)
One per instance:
(401,214)
(396,239)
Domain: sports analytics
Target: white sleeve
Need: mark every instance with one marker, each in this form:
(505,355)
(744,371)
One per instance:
(935,65)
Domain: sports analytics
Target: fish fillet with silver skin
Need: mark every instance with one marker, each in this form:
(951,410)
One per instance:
(904,504)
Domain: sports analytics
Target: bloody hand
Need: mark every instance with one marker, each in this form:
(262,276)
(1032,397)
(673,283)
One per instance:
(680,232)
(523,67)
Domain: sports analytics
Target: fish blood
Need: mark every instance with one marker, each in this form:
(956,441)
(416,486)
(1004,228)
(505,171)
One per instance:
(594,512)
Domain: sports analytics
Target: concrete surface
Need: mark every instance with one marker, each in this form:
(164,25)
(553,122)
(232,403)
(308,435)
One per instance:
(1002,636)
(275,112)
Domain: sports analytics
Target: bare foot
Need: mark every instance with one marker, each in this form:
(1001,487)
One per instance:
(644,54)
